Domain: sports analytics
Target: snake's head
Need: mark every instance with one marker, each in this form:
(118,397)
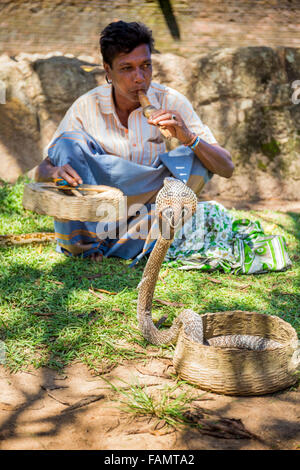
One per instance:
(175,204)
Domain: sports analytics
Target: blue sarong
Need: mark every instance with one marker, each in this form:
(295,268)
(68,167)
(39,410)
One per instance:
(139,183)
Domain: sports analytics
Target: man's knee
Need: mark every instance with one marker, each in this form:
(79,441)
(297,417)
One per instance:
(67,149)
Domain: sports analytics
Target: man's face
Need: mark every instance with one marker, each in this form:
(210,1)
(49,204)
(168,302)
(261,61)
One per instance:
(130,73)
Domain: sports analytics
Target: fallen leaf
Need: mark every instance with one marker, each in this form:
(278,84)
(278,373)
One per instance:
(105,369)
(53,396)
(216,281)
(170,304)
(165,273)
(56,282)
(53,387)
(101,297)
(83,402)
(292,294)
(105,291)
(144,371)
(115,309)
(162,432)
(8,407)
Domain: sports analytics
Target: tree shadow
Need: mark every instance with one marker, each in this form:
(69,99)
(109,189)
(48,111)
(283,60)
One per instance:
(10,427)
(167,11)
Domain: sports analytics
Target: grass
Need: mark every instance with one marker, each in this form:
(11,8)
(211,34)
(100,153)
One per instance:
(168,405)
(36,280)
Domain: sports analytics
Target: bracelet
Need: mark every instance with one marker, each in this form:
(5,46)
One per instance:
(191,141)
(195,143)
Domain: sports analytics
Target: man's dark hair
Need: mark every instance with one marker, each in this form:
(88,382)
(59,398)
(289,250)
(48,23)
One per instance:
(120,36)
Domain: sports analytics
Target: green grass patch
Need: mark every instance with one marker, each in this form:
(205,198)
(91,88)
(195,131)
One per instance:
(168,405)
(48,317)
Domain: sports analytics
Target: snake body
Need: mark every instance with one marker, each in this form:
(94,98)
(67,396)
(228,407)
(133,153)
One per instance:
(175,203)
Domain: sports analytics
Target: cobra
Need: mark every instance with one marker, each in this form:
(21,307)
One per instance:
(175,204)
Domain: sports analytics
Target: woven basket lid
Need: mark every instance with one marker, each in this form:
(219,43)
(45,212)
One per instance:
(96,203)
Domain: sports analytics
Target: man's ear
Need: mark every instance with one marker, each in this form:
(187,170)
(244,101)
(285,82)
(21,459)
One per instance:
(107,68)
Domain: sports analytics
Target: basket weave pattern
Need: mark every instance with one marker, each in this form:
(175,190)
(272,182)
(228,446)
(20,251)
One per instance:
(235,371)
(92,206)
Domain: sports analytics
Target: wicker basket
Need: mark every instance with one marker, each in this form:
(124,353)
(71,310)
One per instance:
(235,371)
(95,204)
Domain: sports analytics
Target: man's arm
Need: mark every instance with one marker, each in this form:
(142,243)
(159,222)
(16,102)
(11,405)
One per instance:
(215,158)
(48,172)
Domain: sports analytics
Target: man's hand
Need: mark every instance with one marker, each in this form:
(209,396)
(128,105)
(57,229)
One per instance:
(67,173)
(213,157)
(48,172)
(172,121)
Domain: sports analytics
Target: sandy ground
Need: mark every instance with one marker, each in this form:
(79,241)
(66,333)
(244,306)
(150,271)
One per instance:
(34,413)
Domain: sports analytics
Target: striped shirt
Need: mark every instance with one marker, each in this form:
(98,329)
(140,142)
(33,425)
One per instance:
(95,113)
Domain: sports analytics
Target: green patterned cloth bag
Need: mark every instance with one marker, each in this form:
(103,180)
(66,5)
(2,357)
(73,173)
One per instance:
(213,240)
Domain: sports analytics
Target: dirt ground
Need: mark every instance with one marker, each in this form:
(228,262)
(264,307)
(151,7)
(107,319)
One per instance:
(280,205)
(35,413)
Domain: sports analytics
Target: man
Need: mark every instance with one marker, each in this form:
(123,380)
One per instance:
(105,139)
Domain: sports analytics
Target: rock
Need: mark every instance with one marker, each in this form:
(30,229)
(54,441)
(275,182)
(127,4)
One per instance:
(62,81)
(38,91)
(174,71)
(19,123)
(244,96)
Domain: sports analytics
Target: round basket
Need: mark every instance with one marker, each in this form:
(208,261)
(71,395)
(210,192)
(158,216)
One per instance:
(231,371)
(93,203)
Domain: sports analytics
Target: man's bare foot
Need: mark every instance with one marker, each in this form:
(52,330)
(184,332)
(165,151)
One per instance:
(98,257)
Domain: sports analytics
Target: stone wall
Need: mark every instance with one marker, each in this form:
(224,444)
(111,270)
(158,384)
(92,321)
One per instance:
(242,94)
(188,27)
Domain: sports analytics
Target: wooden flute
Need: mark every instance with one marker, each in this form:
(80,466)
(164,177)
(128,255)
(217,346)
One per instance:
(148,110)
